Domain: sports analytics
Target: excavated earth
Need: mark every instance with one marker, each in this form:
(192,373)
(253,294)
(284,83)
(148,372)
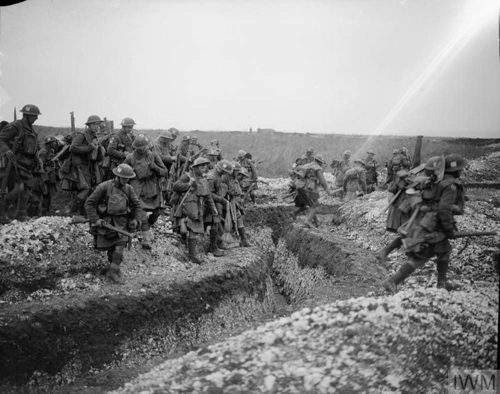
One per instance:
(64,328)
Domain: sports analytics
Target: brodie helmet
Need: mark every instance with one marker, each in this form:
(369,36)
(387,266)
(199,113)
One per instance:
(454,162)
(128,122)
(200,161)
(93,119)
(141,141)
(30,109)
(124,171)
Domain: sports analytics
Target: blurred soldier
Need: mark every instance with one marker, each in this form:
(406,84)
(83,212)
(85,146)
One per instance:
(218,185)
(50,173)
(407,162)
(307,158)
(114,202)
(340,171)
(195,210)
(215,148)
(194,147)
(85,153)
(213,156)
(235,197)
(429,233)
(174,132)
(148,168)
(246,162)
(355,181)
(308,189)
(166,151)
(18,162)
(402,203)
(120,144)
(398,162)
(371,166)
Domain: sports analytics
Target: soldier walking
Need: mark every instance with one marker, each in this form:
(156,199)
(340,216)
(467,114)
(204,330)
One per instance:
(307,189)
(120,144)
(340,170)
(114,202)
(433,226)
(50,172)
(149,169)
(371,166)
(355,181)
(195,208)
(18,162)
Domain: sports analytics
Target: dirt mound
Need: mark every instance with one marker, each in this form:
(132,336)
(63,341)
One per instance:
(403,343)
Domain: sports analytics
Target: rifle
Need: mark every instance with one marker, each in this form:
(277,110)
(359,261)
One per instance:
(162,203)
(438,236)
(177,211)
(79,220)
(232,209)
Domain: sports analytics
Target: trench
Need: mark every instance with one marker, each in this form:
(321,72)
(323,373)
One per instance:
(100,342)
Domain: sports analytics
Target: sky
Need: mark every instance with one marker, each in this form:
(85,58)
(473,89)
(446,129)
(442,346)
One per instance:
(398,67)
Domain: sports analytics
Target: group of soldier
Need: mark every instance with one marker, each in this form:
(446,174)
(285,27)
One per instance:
(122,182)
(424,200)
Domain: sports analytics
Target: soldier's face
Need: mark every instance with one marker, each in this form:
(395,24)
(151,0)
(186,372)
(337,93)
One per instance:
(122,181)
(31,118)
(94,127)
(127,129)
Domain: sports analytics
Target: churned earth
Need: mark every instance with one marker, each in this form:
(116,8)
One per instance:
(64,328)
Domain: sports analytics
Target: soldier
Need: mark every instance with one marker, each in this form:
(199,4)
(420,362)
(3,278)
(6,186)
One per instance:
(120,144)
(174,132)
(218,185)
(246,162)
(215,148)
(405,154)
(196,210)
(50,173)
(308,189)
(235,196)
(402,203)
(398,162)
(149,168)
(340,170)
(84,172)
(114,202)
(18,161)
(371,166)
(213,157)
(167,153)
(307,158)
(355,181)
(429,234)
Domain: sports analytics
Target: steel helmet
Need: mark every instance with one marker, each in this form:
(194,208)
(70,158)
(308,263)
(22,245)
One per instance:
(166,136)
(394,151)
(236,166)
(357,160)
(225,166)
(244,172)
(200,161)
(347,153)
(128,122)
(319,159)
(141,141)
(174,131)
(50,139)
(214,142)
(124,171)
(30,109)
(213,152)
(370,152)
(93,119)
(454,162)
(186,138)
(241,153)
(432,163)
(310,150)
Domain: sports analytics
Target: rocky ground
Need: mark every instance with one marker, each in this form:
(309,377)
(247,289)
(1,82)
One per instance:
(367,342)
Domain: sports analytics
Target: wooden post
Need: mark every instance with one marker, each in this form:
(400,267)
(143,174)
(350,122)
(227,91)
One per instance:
(15,114)
(417,157)
(72,121)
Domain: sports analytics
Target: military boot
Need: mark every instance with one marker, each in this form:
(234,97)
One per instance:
(382,254)
(391,283)
(213,248)
(193,256)
(243,235)
(114,274)
(442,282)
(146,239)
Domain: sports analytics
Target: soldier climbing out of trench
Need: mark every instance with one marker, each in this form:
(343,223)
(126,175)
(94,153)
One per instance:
(307,188)
(194,209)
(115,203)
(428,231)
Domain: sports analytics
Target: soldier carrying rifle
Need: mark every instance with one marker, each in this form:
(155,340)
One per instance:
(431,226)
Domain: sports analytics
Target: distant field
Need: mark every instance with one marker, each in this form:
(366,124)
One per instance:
(275,152)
